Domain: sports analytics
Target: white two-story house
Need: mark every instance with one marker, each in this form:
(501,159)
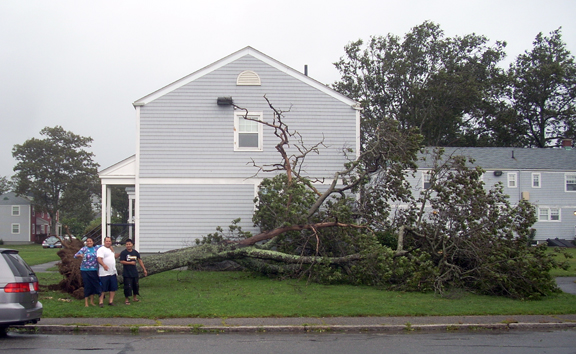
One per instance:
(194,167)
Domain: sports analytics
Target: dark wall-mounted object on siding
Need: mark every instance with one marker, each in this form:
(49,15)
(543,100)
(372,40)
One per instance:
(225,101)
(497,173)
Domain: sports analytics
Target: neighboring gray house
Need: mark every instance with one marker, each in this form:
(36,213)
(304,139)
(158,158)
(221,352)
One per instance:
(19,223)
(545,177)
(193,168)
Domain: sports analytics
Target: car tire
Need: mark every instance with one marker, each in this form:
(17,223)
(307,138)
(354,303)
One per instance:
(3,331)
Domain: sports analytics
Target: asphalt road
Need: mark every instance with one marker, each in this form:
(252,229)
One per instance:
(521,342)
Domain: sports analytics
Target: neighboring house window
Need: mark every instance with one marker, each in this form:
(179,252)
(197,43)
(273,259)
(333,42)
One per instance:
(548,214)
(426,180)
(247,133)
(536,180)
(15,210)
(15,228)
(512,180)
(570,182)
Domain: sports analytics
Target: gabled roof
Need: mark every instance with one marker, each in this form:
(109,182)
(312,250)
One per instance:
(234,56)
(10,198)
(504,158)
(121,173)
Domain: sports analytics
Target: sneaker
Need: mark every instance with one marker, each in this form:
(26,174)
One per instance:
(101,305)
(111,304)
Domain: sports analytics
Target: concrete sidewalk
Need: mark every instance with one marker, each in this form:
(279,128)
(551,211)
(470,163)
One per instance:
(300,324)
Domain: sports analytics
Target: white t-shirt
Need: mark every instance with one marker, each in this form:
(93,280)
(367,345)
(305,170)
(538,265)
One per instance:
(108,258)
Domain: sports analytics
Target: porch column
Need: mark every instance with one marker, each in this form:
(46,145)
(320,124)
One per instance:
(131,192)
(106,208)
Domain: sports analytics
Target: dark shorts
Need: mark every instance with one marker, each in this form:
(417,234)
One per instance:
(91,282)
(109,283)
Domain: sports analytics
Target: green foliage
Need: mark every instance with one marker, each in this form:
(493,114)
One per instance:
(5,185)
(440,85)
(92,225)
(475,238)
(280,203)
(544,92)
(233,233)
(58,173)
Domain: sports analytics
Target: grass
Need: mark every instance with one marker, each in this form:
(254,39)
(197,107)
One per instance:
(34,254)
(241,294)
(571,272)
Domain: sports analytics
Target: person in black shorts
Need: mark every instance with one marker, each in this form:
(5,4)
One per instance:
(128,259)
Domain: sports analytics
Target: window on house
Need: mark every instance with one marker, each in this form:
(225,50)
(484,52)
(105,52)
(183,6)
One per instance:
(570,182)
(512,180)
(548,214)
(15,210)
(15,228)
(536,180)
(247,132)
(426,180)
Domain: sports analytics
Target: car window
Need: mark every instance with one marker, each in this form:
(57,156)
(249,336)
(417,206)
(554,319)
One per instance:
(17,264)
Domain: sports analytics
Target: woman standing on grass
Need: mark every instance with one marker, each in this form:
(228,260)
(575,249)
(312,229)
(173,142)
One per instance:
(89,270)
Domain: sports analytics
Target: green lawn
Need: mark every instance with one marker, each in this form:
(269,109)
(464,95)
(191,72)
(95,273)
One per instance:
(241,294)
(571,272)
(34,254)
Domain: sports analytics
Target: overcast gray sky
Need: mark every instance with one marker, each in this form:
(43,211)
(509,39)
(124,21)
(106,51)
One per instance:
(81,64)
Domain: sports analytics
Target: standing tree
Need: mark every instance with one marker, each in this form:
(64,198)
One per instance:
(442,86)
(544,91)
(5,185)
(58,173)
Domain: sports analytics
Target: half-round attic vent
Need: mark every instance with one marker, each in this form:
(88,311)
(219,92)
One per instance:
(248,78)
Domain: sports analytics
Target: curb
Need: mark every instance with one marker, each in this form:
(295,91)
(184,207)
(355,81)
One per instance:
(199,329)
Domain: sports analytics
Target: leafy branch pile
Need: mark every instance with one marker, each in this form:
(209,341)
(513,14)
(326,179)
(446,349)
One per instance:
(455,235)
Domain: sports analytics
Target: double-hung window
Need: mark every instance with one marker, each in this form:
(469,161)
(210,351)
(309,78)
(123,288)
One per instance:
(15,210)
(426,180)
(512,180)
(536,180)
(15,228)
(570,182)
(548,214)
(247,131)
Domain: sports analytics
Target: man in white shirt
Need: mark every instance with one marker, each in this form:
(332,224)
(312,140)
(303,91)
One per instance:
(107,271)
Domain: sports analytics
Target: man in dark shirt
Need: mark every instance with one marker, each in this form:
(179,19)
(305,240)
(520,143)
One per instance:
(128,259)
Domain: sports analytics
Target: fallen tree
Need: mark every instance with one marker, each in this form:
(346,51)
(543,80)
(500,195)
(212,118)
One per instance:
(455,235)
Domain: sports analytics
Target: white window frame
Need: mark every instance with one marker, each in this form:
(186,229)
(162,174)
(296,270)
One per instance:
(549,214)
(570,177)
(13,227)
(536,180)
(426,180)
(15,210)
(512,180)
(238,117)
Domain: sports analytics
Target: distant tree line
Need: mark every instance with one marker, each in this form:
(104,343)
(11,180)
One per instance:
(456,92)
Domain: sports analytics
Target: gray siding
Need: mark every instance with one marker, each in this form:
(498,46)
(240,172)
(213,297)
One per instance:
(6,221)
(186,134)
(551,194)
(174,216)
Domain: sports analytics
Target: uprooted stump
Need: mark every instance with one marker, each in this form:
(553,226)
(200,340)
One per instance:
(69,267)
